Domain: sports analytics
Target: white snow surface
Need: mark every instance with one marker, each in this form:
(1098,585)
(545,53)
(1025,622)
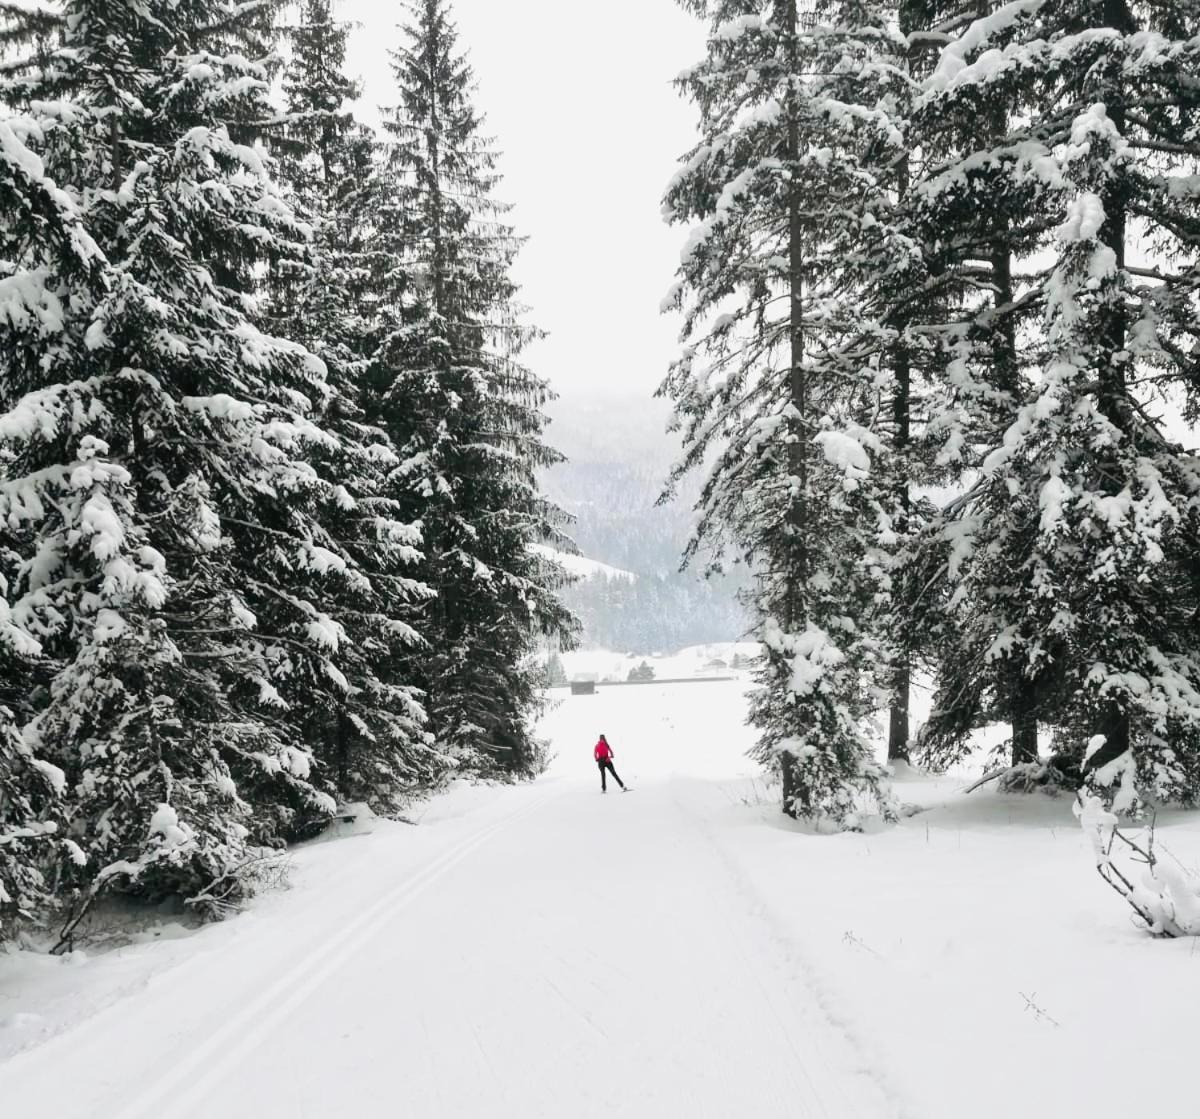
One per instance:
(681,950)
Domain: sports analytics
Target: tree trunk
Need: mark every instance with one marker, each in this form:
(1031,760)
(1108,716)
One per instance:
(790,790)
(898,730)
(1024,727)
(1113,722)
(797,382)
(797,581)
(432,138)
(1004,342)
(342,752)
(1008,379)
(901,676)
(1113,403)
(1113,717)
(114,136)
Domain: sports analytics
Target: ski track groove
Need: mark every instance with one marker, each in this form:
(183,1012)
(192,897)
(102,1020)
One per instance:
(752,971)
(824,1069)
(183,1089)
(804,976)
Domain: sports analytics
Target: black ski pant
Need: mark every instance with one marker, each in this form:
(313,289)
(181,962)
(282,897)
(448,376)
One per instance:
(606,767)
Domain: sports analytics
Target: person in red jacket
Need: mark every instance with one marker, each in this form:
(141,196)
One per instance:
(604,759)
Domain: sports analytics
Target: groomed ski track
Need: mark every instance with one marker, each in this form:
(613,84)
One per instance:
(546,952)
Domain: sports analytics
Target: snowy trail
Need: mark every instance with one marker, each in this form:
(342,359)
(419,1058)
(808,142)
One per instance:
(681,951)
(552,952)
(614,975)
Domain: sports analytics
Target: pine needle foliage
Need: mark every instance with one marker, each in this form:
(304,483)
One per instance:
(448,386)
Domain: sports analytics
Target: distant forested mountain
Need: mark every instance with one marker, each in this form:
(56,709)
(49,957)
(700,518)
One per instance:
(619,454)
(656,613)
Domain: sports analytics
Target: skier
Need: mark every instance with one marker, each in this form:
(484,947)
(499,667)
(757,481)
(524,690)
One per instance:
(604,756)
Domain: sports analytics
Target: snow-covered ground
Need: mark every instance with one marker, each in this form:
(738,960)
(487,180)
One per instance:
(678,951)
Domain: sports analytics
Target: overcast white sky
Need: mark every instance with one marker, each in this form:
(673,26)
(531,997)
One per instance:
(580,101)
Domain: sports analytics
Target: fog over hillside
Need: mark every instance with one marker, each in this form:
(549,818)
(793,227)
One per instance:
(619,454)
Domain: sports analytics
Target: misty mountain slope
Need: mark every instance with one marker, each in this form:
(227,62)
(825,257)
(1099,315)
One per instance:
(619,455)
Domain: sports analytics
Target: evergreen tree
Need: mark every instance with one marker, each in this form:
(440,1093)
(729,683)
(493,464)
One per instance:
(798,288)
(556,672)
(366,724)
(169,561)
(465,415)
(977,184)
(1074,554)
(36,274)
(29,791)
(642,673)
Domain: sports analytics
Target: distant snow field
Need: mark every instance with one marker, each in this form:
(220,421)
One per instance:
(681,950)
(716,658)
(582,566)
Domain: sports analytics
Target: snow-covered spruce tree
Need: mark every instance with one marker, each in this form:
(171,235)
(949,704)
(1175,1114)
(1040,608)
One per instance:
(802,291)
(34,273)
(1086,495)
(465,415)
(27,829)
(365,727)
(975,198)
(902,288)
(47,261)
(30,788)
(168,558)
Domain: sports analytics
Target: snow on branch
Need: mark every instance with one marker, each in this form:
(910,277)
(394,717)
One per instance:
(953,66)
(1165,897)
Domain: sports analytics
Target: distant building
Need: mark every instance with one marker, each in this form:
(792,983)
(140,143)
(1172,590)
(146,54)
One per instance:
(583,683)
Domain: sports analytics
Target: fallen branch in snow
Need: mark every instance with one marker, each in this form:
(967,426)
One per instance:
(413,819)
(1165,898)
(1049,777)
(78,910)
(985,779)
(1038,1012)
(850,938)
(225,896)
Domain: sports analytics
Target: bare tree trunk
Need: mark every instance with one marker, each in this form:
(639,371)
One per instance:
(898,722)
(342,752)
(898,726)
(1024,728)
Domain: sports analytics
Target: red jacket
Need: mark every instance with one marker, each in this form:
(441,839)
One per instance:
(602,752)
